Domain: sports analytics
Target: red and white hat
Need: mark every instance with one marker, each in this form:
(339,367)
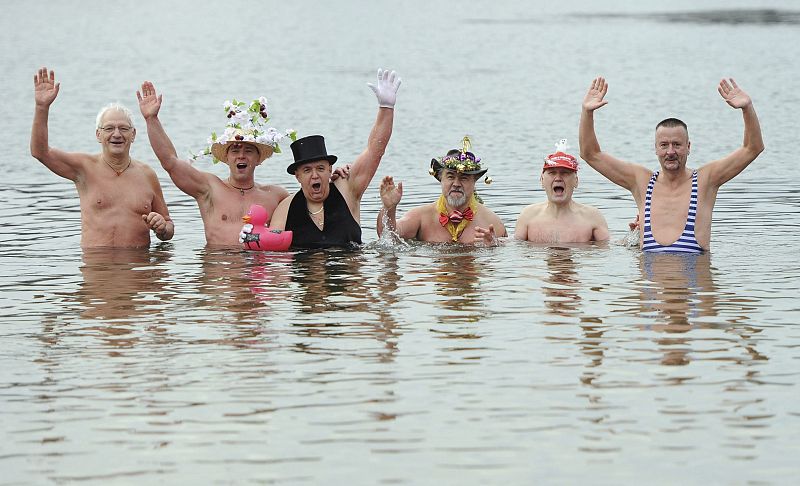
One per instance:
(561,158)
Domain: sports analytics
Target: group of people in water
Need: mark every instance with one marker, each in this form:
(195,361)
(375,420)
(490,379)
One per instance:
(122,202)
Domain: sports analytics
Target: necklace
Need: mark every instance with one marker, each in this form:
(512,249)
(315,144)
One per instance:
(241,189)
(317,211)
(320,224)
(118,172)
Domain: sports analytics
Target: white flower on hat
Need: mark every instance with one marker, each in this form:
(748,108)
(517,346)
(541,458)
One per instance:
(246,123)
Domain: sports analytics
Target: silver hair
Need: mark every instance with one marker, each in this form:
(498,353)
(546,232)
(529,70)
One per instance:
(118,107)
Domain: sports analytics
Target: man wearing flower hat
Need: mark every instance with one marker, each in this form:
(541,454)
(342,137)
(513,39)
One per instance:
(246,142)
(324,214)
(560,219)
(457,216)
(121,199)
(674,203)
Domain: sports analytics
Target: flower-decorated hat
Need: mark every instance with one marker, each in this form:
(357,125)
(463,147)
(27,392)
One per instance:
(246,124)
(461,160)
(561,158)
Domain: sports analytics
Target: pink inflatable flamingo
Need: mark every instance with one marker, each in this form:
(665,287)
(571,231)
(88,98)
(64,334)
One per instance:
(255,235)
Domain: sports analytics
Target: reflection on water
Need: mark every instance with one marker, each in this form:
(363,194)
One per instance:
(561,285)
(406,364)
(679,288)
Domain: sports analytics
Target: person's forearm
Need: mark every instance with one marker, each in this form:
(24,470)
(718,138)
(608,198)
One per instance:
(39,140)
(390,215)
(381,132)
(587,138)
(161,144)
(752,131)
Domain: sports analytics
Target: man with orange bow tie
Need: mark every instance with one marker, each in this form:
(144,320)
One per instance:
(457,216)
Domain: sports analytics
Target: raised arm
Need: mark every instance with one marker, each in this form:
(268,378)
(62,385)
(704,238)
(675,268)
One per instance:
(64,164)
(722,170)
(366,164)
(408,226)
(617,171)
(188,179)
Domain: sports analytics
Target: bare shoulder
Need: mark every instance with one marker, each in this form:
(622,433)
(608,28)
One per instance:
(274,189)
(143,167)
(492,218)
(284,204)
(420,212)
(532,210)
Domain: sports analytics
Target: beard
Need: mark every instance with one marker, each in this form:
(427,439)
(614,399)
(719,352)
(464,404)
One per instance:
(456,199)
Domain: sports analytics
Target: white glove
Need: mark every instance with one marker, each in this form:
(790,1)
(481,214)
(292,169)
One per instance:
(386,90)
(246,229)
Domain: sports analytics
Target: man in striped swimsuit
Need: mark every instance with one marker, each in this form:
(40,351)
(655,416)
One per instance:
(674,202)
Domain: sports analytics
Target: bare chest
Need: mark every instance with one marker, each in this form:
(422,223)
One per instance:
(128,193)
(548,230)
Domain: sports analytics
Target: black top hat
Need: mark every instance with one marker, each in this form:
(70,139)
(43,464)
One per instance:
(309,149)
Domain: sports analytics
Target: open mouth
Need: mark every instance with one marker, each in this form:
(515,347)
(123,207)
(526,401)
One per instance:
(558,189)
(241,165)
(316,186)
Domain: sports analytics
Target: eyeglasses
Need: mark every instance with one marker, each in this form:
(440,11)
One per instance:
(123,129)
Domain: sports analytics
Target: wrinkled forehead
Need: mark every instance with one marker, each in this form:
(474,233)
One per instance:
(115,116)
(562,171)
(319,163)
(669,134)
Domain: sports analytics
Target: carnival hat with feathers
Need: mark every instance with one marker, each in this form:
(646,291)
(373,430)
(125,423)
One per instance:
(461,160)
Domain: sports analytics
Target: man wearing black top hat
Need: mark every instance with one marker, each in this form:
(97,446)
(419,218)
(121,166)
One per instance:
(324,214)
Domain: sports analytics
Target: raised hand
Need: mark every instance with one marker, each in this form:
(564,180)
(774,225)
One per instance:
(485,236)
(45,88)
(391,194)
(732,94)
(594,97)
(386,88)
(149,103)
(342,172)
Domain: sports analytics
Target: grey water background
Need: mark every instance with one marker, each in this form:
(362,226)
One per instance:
(404,365)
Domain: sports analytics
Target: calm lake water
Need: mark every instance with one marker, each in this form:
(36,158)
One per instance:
(404,364)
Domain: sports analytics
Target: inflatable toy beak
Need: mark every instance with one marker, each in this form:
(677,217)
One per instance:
(246,218)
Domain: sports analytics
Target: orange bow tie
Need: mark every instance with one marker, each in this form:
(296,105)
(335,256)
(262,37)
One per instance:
(456,217)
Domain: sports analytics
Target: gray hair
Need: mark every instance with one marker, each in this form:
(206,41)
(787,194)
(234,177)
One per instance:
(117,107)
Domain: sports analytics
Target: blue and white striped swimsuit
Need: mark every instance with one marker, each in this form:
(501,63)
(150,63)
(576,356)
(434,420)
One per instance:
(687,243)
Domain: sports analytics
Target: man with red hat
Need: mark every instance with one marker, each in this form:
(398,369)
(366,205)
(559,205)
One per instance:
(560,219)
(457,216)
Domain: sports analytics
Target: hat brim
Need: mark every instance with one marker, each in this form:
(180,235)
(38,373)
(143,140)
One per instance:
(559,165)
(438,167)
(220,150)
(293,167)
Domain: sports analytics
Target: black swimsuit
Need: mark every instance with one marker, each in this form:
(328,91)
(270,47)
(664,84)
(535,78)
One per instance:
(340,229)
